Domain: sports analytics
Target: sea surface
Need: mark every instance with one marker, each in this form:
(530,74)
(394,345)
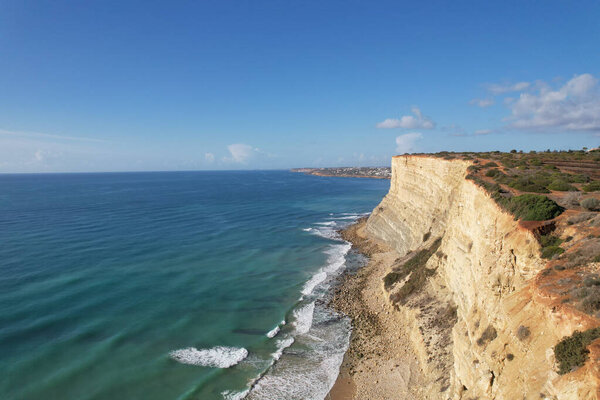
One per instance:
(174,285)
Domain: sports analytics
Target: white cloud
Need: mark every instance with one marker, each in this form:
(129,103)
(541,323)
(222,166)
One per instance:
(496,89)
(481,132)
(482,102)
(418,121)
(240,152)
(573,107)
(209,157)
(406,143)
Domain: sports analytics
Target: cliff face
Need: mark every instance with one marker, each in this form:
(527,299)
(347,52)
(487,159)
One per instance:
(499,342)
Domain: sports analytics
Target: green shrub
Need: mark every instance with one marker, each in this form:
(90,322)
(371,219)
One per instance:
(571,352)
(531,207)
(528,184)
(551,251)
(493,172)
(578,178)
(591,204)
(415,267)
(490,164)
(562,186)
(592,186)
(549,240)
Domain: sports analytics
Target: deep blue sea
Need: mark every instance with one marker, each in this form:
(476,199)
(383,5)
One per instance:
(173,285)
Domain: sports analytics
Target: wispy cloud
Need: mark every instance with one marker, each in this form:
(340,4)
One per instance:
(573,107)
(39,135)
(416,121)
(482,102)
(479,132)
(495,88)
(406,143)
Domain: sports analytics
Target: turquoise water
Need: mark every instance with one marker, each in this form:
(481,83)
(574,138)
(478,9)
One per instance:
(165,285)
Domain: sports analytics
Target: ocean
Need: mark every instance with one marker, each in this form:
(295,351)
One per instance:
(174,285)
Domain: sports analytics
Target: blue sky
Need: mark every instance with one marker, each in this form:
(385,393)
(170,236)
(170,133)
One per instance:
(126,86)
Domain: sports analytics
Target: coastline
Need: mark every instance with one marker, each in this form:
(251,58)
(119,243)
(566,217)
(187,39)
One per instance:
(380,362)
(346,175)
(348,172)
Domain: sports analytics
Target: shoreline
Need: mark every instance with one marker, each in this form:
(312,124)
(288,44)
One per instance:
(347,172)
(345,176)
(380,362)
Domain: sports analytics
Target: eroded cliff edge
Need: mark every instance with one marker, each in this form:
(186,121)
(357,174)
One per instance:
(484,266)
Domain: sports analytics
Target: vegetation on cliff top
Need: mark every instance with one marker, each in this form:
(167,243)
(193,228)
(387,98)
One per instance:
(528,207)
(572,352)
(538,172)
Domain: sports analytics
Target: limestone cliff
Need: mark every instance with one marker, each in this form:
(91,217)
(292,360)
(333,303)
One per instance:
(500,339)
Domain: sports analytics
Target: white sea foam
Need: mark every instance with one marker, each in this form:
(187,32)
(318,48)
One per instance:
(216,357)
(273,332)
(317,278)
(312,370)
(337,257)
(281,346)
(326,232)
(304,316)
(326,223)
(231,395)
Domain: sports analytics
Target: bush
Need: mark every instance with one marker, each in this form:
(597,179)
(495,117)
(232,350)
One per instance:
(591,204)
(581,217)
(523,332)
(491,164)
(487,336)
(415,267)
(570,199)
(551,251)
(532,207)
(578,178)
(549,240)
(562,186)
(571,352)
(591,303)
(532,184)
(592,186)
(493,172)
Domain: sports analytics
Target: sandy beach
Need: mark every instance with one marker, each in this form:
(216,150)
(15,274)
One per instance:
(380,362)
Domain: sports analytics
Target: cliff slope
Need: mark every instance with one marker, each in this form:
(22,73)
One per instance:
(484,327)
